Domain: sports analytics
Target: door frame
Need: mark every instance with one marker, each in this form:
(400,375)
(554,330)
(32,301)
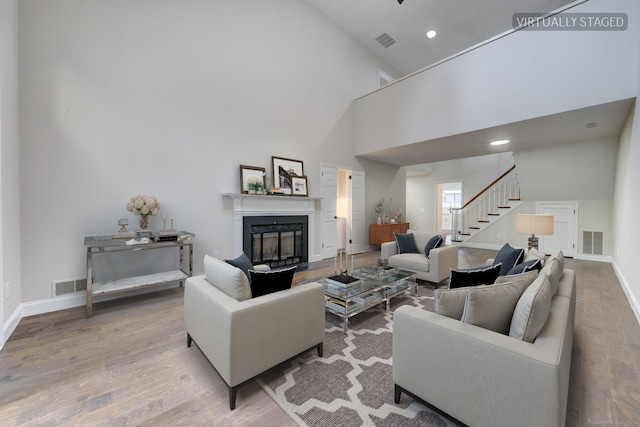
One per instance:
(349,222)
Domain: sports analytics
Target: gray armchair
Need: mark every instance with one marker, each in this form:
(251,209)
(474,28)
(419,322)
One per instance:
(243,339)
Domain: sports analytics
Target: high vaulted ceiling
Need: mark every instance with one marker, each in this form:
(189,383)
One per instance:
(459,24)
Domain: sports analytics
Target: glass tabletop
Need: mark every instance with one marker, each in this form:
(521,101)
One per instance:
(368,278)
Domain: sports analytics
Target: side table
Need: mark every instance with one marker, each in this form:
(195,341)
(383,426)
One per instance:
(104,245)
(380,233)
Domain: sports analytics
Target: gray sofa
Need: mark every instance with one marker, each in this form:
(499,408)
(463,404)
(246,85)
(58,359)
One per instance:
(485,378)
(243,339)
(434,269)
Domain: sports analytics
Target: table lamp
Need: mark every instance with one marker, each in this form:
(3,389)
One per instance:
(533,224)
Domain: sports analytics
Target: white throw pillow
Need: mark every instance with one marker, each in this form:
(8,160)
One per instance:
(229,279)
(491,307)
(533,253)
(532,310)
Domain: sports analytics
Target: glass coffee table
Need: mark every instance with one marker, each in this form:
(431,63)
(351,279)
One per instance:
(374,285)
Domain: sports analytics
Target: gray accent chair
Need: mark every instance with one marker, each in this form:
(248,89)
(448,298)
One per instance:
(243,339)
(434,269)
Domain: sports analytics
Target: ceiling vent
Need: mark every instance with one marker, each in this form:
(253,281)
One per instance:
(385,40)
(592,125)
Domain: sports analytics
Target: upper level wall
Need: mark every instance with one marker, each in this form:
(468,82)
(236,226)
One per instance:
(520,76)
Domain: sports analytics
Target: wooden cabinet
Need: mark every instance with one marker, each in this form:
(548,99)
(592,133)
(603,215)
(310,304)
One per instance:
(380,233)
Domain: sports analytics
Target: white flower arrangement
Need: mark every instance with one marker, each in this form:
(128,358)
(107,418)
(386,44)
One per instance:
(143,205)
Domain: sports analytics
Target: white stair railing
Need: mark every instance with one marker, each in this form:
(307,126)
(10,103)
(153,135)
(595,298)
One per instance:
(486,204)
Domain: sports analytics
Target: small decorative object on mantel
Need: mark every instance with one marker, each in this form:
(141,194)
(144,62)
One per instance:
(253,180)
(143,206)
(123,233)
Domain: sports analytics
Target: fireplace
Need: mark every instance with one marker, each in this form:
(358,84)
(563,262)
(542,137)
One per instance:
(275,240)
(247,206)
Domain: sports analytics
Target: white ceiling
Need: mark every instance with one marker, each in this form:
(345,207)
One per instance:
(461,24)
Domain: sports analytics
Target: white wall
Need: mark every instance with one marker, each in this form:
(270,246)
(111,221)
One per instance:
(9,164)
(524,75)
(626,208)
(583,170)
(168,98)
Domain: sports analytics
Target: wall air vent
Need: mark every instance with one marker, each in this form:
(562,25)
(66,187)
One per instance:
(385,40)
(593,242)
(62,287)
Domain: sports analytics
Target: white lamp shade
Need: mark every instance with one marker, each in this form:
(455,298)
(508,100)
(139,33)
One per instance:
(534,224)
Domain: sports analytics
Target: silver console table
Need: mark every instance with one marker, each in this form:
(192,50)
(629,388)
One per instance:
(101,245)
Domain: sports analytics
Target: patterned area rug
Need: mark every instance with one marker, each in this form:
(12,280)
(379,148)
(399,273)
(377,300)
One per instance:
(352,384)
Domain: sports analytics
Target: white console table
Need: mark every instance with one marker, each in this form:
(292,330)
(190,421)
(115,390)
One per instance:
(101,245)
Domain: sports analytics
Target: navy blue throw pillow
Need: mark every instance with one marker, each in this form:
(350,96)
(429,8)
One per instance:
(406,243)
(266,282)
(474,276)
(434,242)
(243,262)
(509,257)
(523,267)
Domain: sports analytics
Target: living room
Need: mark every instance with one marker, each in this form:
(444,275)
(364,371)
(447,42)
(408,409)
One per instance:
(104,100)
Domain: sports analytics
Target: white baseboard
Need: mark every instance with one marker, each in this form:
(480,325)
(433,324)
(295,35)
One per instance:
(11,324)
(599,258)
(49,305)
(633,301)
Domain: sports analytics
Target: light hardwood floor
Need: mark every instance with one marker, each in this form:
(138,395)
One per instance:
(129,364)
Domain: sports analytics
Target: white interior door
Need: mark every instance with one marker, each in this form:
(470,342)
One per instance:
(329,218)
(564,223)
(357,230)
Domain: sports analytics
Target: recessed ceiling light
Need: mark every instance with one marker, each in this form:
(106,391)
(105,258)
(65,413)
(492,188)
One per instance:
(500,142)
(431,34)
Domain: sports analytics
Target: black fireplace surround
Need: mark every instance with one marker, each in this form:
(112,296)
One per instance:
(275,240)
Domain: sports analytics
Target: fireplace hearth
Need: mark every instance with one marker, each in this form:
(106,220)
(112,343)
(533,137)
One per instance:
(275,240)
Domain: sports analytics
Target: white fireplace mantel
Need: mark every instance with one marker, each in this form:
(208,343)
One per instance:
(270,205)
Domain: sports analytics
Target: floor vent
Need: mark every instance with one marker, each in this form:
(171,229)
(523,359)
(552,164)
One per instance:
(385,40)
(593,242)
(62,287)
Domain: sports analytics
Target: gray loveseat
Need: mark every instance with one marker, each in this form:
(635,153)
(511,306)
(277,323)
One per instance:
(434,269)
(243,339)
(485,378)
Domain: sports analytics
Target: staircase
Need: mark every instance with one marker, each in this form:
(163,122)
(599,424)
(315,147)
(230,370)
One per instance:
(487,207)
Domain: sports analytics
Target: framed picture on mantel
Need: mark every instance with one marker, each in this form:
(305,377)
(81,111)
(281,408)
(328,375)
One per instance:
(299,186)
(252,180)
(283,171)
